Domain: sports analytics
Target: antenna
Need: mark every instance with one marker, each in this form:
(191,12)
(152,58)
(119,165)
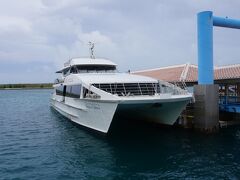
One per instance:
(91,49)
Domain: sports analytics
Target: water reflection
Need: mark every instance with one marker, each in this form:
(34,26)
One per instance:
(143,150)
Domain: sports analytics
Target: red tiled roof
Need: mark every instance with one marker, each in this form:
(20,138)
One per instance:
(171,74)
(189,73)
(192,74)
(227,72)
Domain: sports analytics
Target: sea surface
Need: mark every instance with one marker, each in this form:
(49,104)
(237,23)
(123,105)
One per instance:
(38,143)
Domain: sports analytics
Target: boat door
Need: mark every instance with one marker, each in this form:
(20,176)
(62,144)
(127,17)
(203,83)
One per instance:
(64,93)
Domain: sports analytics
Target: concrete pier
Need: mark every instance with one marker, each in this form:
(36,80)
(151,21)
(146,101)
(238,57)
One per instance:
(206,111)
(206,93)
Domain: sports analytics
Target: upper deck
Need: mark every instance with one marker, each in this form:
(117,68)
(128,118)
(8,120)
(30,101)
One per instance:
(88,64)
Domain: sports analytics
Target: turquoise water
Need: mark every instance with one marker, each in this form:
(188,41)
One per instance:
(37,143)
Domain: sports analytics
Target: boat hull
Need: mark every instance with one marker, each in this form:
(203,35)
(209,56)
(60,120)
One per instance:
(98,115)
(94,115)
(158,111)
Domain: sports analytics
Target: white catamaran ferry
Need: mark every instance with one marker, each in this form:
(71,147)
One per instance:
(92,93)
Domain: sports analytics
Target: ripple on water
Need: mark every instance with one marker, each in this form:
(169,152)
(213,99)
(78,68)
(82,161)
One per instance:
(37,143)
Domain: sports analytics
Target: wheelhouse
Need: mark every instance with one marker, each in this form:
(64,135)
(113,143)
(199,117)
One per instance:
(87,65)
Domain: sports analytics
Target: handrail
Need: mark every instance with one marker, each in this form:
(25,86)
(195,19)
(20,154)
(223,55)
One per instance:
(140,89)
(176,89)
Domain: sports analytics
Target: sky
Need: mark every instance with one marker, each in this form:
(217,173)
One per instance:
(38,36)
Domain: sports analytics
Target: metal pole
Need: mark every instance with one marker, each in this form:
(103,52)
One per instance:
(226,22)
(205,48)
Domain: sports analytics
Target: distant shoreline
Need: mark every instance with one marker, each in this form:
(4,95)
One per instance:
(26,86)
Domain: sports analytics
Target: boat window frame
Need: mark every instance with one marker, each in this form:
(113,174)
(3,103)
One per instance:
(87,94)
(71,94)
(96,68)
(73,70)
(59,90)
(66,72)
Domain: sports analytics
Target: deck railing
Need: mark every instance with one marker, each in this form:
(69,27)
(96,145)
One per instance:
(171,88)
(129,89)
(139,89)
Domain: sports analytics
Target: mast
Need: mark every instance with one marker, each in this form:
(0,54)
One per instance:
(91,49)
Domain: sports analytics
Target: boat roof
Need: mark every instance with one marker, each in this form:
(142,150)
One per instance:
(96,78)
(86,61)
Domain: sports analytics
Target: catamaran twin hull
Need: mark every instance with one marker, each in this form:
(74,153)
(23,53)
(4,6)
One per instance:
(98,115)
(91,92)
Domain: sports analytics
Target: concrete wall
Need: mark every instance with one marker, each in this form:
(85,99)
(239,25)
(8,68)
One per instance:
(206,110)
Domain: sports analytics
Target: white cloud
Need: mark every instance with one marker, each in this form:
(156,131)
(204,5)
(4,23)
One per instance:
(14,24)
(135,34)
(23,9)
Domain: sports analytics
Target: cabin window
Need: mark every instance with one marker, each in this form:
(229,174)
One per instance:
(59,90)
(89,94)
(68,91)
(73,91)
(95,68)
(66,72)
(74,70)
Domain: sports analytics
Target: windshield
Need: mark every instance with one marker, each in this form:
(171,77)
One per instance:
(92,68)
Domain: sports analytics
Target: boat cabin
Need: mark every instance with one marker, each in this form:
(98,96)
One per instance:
(88,65)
